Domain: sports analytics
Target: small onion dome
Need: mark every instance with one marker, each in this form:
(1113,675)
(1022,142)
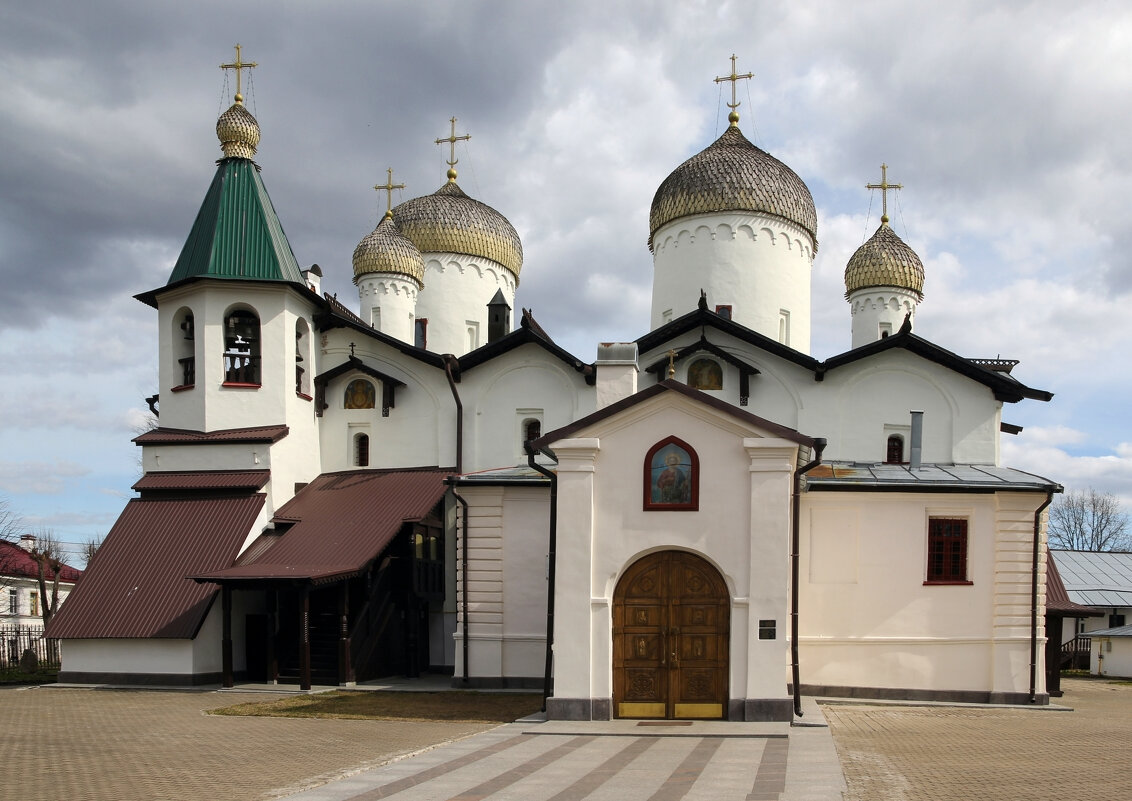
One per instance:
(450,221)
(238,131)
(731,174)
(885,261)
(387,250)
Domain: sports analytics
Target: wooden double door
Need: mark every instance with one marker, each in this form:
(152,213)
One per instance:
(671,623)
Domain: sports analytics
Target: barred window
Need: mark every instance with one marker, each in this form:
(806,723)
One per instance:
(947,550)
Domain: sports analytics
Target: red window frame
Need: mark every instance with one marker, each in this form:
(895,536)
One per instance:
(947,551)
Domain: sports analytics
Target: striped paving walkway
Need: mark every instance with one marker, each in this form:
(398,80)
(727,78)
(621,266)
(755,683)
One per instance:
(603,762)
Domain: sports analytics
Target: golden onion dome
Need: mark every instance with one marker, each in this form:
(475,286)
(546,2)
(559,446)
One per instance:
(731,174)
(448,221)
(885,261)
(238,131)
(387,250)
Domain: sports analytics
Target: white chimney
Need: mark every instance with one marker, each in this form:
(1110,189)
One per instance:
(28,542)
(616,372)
(917,444)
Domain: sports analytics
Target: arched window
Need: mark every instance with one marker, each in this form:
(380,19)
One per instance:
(184,349)
(360,394)
(705,374)
(895,452)
(532,429)
(361,450)
(672,477)
(241,348)
(302,353)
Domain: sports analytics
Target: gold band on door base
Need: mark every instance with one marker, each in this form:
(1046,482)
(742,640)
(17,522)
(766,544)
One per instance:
(640,710)
(698,711)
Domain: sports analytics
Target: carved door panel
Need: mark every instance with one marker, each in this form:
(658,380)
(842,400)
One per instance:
(670,634)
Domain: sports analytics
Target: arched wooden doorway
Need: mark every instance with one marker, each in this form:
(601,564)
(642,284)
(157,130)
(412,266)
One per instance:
(671,621)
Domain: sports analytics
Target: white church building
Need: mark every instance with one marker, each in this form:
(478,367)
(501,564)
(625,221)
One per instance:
(702,523)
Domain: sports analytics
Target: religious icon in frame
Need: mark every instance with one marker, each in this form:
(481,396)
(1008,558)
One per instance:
(672,477)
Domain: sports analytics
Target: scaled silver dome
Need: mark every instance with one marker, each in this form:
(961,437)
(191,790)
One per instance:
(732,174)
(884,261)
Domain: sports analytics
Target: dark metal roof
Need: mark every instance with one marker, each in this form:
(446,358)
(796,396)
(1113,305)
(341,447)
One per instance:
(546,440)
(341,522)
(137,585)
(15,561)
(1057,598)
(1004,386)
(529,332)
(250,480)
(1096,578)
(180,436)
(237,233)
(849,476)
(336,315)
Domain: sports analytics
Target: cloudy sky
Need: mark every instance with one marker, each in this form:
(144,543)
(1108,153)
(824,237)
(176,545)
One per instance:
(1008,123)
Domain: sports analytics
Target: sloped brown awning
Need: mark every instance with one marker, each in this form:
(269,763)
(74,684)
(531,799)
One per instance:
(341,522)
(137,584)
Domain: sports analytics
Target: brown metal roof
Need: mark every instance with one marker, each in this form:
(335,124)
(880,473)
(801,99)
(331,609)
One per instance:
(250,480)
(342,521)
(136,585)
(15,561)
(180,436)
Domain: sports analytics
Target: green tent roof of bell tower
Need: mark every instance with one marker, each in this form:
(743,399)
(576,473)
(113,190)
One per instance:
(237,233)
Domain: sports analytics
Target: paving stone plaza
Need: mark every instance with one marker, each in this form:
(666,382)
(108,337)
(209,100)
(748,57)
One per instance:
(131,744)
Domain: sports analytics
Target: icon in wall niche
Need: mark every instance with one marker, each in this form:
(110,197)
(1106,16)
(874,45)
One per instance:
(672,479)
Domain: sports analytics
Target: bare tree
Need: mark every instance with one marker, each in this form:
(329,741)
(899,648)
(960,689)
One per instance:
(1087,520)
(88,549)
(11,527)
(48,555)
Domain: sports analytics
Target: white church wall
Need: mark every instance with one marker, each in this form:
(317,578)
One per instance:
(457,289)
(527,383)
(389,303)
(868,617)
(526,528)
(757,264)
(603,529)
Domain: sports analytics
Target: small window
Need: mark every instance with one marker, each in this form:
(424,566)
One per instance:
(375,318)
(1115,620)
(13,602)
(420,332)
(885,330)
(241,349)
(947,550)
(473,333)
(184,344)
(302,352)
(33,603)
(360,394)
(705,374)
(361,450)
(532,430)
(895,452)
(724,311)
(666,316)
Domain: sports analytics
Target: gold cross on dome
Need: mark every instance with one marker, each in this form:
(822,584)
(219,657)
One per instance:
(884,186)
(734,78)
(389,186)
(239,66)
(452,139)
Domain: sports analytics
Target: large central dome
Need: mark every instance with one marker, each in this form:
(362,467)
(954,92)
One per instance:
(731,174)
(450,221)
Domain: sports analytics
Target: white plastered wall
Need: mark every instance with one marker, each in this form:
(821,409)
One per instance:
(757,264)
(867,618)
(603,529)
(457,289)
(388,302)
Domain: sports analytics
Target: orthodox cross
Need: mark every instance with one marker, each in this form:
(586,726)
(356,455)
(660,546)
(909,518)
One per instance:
(239,66)
(389,186)
(884,186)
(734,78)
(672,354)
(452,139)
(351,350)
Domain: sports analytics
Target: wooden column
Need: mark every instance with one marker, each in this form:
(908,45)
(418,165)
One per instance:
(226,642)
(305,639)
(272,635)
(345,664)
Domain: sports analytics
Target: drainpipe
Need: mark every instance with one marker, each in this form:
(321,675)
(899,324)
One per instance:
(819,447)
(463,571)
(1034,599)
(449,361)
(552,545)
